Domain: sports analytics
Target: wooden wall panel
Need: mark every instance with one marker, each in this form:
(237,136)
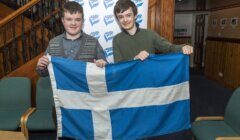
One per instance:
(161,17)
(167,19)
(222,62)
(227,31)
(231,69)
(152,14)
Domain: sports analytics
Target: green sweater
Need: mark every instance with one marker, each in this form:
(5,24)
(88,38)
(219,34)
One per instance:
(126,47)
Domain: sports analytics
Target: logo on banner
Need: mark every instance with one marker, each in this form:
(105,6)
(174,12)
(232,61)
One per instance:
(81,2)
(108,35)
(93,3)
(95,34)
(138,3)
(108,19)
(94,19)
(139,18)
(108,3)
(108,51)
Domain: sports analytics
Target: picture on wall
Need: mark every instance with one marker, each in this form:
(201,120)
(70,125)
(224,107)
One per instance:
(234,22)
(223,22)
(214,22)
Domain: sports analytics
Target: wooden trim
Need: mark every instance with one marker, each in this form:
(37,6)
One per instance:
(167,19)
(192,11)
(35,25)
(228,138)
(232,40)
(18,12)
(209,10)
(152,3)
(225,7)
(210,118)
(176,37)
(24,120)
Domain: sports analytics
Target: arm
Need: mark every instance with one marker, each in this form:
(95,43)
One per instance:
(99,52)
(100,57)
(42,64)
(166,47)
(142,55)
(187,49)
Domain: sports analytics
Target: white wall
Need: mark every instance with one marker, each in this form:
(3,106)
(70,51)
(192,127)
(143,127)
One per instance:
(184,21)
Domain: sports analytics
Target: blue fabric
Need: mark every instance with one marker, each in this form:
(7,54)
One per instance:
(150,121)
(81,130)
(70,79)
(156,71)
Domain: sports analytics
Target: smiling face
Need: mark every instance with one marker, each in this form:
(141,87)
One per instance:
(127,20)
(73,24)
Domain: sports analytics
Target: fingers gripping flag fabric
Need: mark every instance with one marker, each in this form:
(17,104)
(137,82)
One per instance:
(123,101)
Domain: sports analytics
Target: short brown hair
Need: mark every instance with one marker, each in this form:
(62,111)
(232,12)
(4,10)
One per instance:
(72,7)
(123,5)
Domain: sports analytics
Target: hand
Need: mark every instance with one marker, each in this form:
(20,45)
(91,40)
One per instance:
(100,63)
(142,55)
(43,62)
(187,49)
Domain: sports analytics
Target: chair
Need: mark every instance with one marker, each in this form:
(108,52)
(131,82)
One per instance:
(41,117)
(220,128)
(15,99)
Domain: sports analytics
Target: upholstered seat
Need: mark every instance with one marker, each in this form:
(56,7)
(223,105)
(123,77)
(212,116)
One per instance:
(227,127)
(41,117)
(15,99)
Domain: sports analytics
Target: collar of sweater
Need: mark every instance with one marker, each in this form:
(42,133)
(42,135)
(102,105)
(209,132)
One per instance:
(138,29)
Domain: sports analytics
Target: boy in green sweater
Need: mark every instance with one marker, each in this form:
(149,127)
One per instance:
(134,42)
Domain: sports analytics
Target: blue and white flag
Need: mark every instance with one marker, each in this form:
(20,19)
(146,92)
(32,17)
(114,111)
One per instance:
(123,101)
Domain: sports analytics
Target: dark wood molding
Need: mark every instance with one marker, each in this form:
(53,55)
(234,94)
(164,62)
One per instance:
(190,11)
(232,40)
(235,5)
(225,7)
(175,37)
(18,12)
(201,4)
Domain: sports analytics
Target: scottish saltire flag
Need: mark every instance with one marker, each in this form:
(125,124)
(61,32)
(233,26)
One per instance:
(123,101)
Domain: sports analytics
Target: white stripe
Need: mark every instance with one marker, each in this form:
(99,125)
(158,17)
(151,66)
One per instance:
(57,101)
(101,116)
(125,99)
(102,125)
(96,79)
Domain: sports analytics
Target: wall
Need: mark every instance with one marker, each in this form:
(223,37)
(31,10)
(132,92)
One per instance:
(187,22)
(183,21)
(185,5)
(223,46)
(227,31)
